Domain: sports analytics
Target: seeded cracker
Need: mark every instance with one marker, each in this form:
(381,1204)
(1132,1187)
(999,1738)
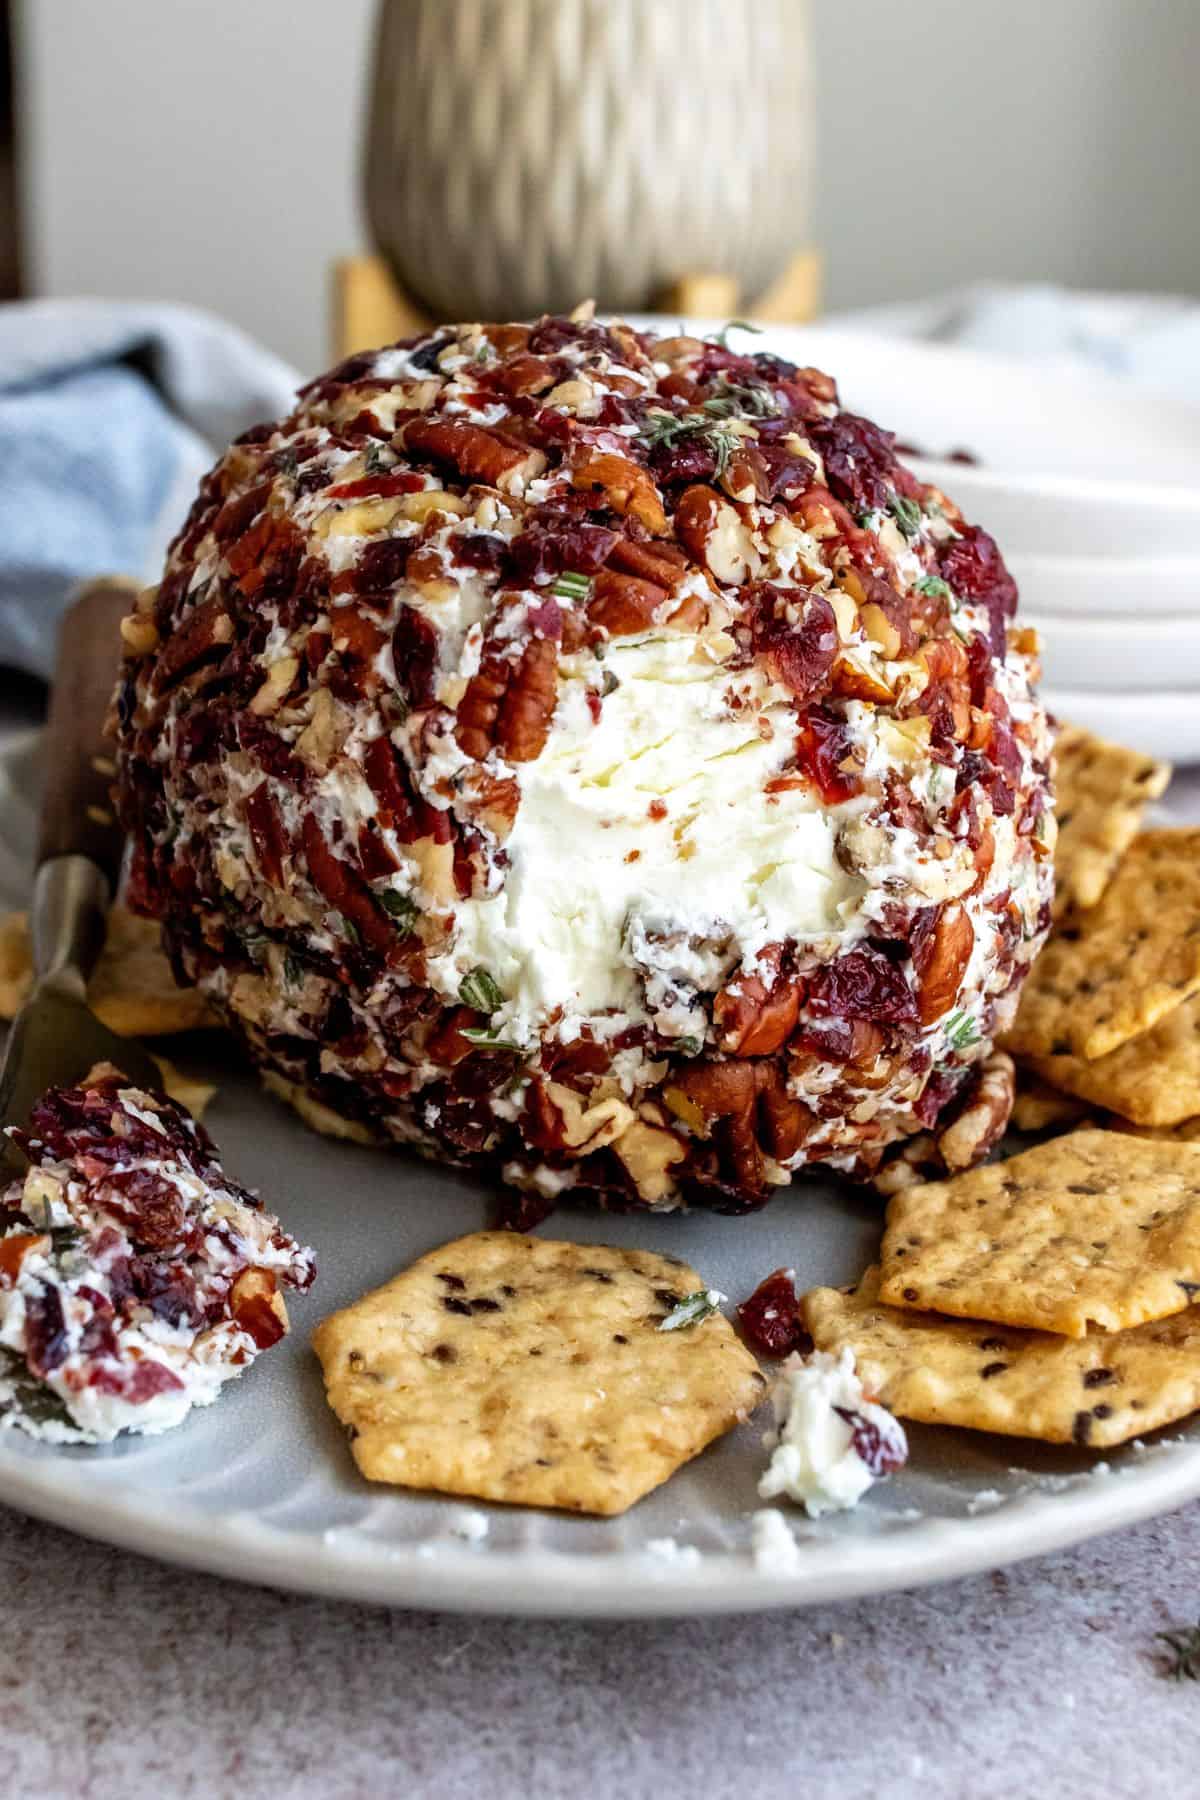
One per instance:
(1095,1228)
(1152,1080)
(1098,1390)
(1038,1106)
(1111,973)
(132,989)
(1103,790)
(533,1371)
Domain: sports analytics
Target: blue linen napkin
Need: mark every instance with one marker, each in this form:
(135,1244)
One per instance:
(110,412)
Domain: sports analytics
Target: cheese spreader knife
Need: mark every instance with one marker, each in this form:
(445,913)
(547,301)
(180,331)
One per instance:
(56,1038)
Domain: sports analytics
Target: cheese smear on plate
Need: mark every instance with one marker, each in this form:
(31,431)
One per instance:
(831,1443)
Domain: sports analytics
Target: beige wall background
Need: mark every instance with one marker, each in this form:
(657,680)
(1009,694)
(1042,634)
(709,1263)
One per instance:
(207,150)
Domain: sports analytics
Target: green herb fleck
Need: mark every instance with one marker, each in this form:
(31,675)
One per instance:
(752,397)
(376,460)
(906,513)
(30,1397)
(351,929)
(935,587)
(663,430)
(479,992)
(688,1046)
(736,325)
(486,1039)
(400,907)
(692,1309)
(572,586)
(1181,1658)
(961,1031)
(609,683)
(65,1237)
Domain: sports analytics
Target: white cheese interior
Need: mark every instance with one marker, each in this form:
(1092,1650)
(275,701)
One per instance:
(596,882)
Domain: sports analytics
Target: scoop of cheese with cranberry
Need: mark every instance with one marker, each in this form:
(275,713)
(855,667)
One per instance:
(594,756)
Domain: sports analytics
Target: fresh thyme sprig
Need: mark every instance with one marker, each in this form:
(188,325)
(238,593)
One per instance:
(961,1031)
(1181,1658)
(691,1309)
(663,430)
(736,325)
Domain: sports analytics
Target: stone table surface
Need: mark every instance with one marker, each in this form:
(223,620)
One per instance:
(121,1677)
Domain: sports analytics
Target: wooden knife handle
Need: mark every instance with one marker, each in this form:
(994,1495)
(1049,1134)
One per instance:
(77,813)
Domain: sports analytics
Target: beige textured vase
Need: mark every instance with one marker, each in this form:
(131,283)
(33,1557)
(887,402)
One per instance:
(523,154)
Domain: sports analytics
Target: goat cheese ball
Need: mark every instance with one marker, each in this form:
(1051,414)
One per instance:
(136,1279)
(592,756)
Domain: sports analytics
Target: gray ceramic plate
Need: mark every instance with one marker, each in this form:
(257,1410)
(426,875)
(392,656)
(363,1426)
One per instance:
(262,1487)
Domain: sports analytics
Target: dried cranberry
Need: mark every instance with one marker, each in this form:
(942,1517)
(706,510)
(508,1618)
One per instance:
(555,544)
(936,1095)
(822,748)
(859,460)
(975,569)
(786,472)
(689,459)
(46,1337)
(167,1289)
(480,550)
(879,1443)
(552,335)
(801,656)
(149,1378)
(382,565)
(523,1210)
(770,1318)
(863,984)
(415,655)
(150,1206)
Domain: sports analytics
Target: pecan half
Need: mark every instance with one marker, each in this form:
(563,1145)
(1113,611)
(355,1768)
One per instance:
(981,1116)
(657,562)
(975,1122)
(477,454)
(509,707)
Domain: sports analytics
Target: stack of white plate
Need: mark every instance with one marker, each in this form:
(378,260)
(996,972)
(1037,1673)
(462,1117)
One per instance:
(1109,573)
(1091,487)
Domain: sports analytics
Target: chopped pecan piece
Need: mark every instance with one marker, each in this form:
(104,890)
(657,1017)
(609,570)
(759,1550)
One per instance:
(713,531)
(622,604)
(204,634)
(942,961)
(662,564)
(627,487)
(969,1130)
(345,890)
(257,1305)
(267,833)
(980,1115)
(755,1017)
